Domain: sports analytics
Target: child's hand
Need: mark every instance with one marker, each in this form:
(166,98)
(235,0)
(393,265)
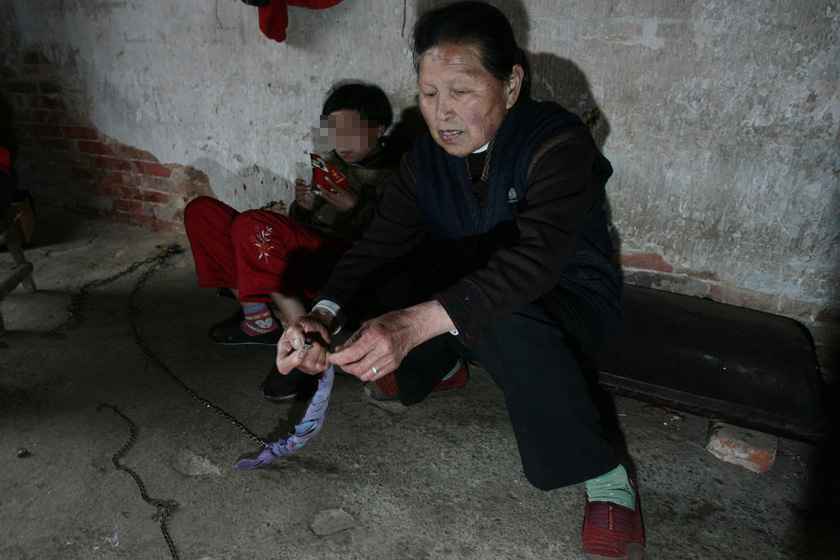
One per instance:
(343,199)
(304,195)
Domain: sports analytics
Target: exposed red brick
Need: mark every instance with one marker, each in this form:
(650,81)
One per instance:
(42,116)
(646,261)
(111,190)
(154,169)
(192,189)
(150,196)
(752,450)
(46,130)
(799,310)
(106,162)
(85,173)
(55,144)
(155,183)
(740,297)
(79,132)
(828,315)
(702,275)
(150,222)
(95,148)
(120,216)
(183,187)
(45,102)
(118,178)
(131,207)
(131,152)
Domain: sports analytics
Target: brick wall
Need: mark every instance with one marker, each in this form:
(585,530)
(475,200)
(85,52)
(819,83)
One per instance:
(62,159)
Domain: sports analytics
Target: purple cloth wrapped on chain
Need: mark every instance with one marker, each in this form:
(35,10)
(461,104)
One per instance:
(307,429)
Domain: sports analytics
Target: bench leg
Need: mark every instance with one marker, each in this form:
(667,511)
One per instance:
(16,250)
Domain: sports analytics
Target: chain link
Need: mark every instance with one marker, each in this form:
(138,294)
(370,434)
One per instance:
(164,508)
(133,313)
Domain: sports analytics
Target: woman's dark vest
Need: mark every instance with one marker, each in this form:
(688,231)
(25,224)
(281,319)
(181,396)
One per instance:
(465,232)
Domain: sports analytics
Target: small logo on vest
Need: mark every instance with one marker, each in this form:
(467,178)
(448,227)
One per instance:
(512,198)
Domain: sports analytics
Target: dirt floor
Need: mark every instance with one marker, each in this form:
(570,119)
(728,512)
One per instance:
(437,481)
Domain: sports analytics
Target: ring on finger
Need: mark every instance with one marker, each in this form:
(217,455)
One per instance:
(374,370)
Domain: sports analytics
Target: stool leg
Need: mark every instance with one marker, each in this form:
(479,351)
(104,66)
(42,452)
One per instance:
(16,250)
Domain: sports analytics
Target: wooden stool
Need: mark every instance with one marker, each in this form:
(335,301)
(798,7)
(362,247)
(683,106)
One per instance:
(22,273)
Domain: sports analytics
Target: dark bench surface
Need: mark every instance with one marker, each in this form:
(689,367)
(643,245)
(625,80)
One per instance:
(744,367)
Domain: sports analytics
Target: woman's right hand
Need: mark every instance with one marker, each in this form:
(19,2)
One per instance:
(304,195)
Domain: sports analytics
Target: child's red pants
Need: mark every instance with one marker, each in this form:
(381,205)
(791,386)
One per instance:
(257,252)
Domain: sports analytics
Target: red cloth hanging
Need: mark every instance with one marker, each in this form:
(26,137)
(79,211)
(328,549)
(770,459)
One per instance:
(274,18)
(5,160)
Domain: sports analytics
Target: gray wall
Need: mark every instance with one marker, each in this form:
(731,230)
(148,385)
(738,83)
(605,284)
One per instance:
(720,117)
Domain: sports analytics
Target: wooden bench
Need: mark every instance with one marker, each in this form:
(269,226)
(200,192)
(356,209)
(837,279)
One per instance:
(740,366)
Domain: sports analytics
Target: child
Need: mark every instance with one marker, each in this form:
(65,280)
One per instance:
(264,257)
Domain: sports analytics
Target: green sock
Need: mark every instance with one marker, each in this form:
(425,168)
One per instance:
(612,487)
(454,370)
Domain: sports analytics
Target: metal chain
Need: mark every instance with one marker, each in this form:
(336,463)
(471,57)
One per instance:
(164,507)
(133,312)
(169,250)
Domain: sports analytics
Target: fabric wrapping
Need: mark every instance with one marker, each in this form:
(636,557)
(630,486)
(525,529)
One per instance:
(308,428)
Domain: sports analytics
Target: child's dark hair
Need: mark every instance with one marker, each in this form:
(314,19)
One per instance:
(369,100)
(478,24)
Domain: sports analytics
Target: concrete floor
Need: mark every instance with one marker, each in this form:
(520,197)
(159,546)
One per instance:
(439,480)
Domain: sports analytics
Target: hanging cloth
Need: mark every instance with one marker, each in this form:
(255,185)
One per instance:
(5,160)
(306,430)
(274,18)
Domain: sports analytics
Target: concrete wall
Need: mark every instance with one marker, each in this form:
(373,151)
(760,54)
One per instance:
(721,116)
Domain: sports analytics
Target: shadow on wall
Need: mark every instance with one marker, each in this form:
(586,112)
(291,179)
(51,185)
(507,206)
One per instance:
(271,185)
(274,188)
(552,79)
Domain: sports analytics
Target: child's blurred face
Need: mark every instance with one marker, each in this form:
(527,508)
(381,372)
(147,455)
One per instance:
(353,136)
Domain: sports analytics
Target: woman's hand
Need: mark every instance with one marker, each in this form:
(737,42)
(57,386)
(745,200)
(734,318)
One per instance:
(343,199)
(381,344)
(304,345)
(304,195)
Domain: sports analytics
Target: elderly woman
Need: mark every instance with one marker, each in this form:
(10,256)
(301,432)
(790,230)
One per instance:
(501,207)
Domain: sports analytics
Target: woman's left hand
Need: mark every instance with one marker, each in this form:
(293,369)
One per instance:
(343,199)
(381,344)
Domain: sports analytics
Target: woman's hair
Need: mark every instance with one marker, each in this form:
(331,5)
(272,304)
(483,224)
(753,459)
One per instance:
(477,24)
(369,100)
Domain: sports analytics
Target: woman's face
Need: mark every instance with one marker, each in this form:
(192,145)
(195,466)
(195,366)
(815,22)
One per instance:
(353,136)
(463,104)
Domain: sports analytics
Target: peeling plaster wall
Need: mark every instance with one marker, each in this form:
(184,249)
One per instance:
(720,117)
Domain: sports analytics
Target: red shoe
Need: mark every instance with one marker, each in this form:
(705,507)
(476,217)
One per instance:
(388,391)
(611,531)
